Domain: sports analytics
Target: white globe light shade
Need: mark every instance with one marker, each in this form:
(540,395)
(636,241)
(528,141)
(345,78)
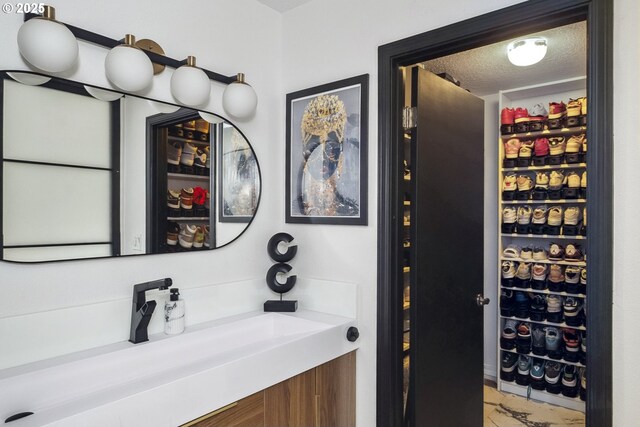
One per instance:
(190,86)
(239,100)
(527,51)
(47,45)
(128,68)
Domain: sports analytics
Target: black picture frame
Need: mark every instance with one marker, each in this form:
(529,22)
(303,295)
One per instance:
(341,165)
(237,171)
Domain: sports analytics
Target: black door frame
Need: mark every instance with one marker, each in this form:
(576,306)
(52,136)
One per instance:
(524,18)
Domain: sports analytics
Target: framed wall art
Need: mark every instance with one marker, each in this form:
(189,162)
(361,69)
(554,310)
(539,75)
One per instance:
(239,177)
(326,160)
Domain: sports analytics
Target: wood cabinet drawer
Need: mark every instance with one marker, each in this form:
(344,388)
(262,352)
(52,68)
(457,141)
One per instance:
(248,412)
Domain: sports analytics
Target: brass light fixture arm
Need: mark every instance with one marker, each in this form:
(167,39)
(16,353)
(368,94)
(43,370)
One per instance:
(110,43)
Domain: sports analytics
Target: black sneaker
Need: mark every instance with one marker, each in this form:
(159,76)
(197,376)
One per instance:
(523,340)
(552,371)
(508,366)
(538,341)
(506,303)
(509,334)
(538,308)
(537,375)
(522,305)
(570,381)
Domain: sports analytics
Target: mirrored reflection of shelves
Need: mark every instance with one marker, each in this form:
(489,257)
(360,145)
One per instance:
(545,291)
(546,133)
(190,141)
(533,261)
(547,167)
(405,347)
(542,202)
(543,236)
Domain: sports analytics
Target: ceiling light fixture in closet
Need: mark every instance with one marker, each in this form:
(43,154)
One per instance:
(527,51)
(52,46)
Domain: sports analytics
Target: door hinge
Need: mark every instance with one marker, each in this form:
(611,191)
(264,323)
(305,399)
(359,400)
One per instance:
(409,117)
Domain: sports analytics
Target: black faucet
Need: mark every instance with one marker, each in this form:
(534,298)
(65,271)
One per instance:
(142,310)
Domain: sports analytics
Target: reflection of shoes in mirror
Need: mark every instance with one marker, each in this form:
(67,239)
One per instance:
(186,198)
(202,127)
(172,233)
(173,199)
(207,243)
(188,154)
(198,239)
(200,161)
(207,151)
(186,236)
(174,151)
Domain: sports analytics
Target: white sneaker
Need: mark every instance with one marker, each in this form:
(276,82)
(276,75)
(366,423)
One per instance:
(524,215)
(572,216)
(555,216)
(556,180)
(539,215)
(509,215)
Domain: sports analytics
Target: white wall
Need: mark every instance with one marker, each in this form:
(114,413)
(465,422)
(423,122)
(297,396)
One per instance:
(227,37)
(626,292)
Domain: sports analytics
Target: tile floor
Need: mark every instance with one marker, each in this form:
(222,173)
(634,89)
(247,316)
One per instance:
(508,410)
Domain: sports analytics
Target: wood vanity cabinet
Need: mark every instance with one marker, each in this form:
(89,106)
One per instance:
(324,396)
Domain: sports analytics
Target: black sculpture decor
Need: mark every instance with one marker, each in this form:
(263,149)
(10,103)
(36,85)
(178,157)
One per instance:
(280,268)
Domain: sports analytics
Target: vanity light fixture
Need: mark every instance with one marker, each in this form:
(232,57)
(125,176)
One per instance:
(128,67)
(239,99)
(527,51)
(47,44)
(190,85)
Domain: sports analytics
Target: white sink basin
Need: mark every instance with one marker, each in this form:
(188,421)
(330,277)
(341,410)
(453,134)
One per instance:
(163,381)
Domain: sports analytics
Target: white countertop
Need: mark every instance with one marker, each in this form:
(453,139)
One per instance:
(172,379)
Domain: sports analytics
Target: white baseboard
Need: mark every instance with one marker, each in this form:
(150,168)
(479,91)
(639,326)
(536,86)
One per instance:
(490,372)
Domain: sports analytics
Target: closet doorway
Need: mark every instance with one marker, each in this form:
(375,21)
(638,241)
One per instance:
(437,346)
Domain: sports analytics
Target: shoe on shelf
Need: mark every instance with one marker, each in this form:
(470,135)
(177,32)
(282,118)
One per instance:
(207,236)
(506,302)
(556,252)
(556,180)
(526,150)
(583,104)
(524,215)
(511,148)
(186,236)
(541,147)
(537,374)
(539,254)
(539,272)
(554,308)
(188,154)
(186,198)
(539,215)
(509,182)
(572,180)
(524,365)
(572,216)
(572,279)
(174,151)
(523,274)
(542,180)
(538,113)
(554,217)
(509,334)
(573,253)
(583,180)
(551,340)
(511,251)
(556,276)
(522,305)
(526,253)
(552,373)
(574,144)
(538,307)
(507,116)
(557,145)
(173,229)
(200,159)
(509,215)
(198,240)
(508,272)
(583,279)
(521,115)
(173,199)
(583,347)
(538,341)
(557,110)
(583,384)
(508,366)
(572,345)
(569,381)
(574,108)
(524,183)
(572,308)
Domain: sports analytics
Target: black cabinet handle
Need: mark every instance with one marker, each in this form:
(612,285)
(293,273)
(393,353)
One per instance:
(353,334)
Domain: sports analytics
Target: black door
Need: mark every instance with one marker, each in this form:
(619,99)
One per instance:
(447,264)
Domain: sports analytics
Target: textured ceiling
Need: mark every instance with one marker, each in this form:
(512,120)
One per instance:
(487,70)
(283,5)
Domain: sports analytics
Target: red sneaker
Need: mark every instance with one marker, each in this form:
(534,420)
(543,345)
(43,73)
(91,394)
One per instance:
(506,116)
(557,110)
(542,147)
(521,115)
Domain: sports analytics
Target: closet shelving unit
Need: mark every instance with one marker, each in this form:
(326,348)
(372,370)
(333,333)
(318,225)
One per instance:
(527,97)
(406,270)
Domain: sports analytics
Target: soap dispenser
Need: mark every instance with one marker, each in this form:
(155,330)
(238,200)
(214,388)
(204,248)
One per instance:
(174,313)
